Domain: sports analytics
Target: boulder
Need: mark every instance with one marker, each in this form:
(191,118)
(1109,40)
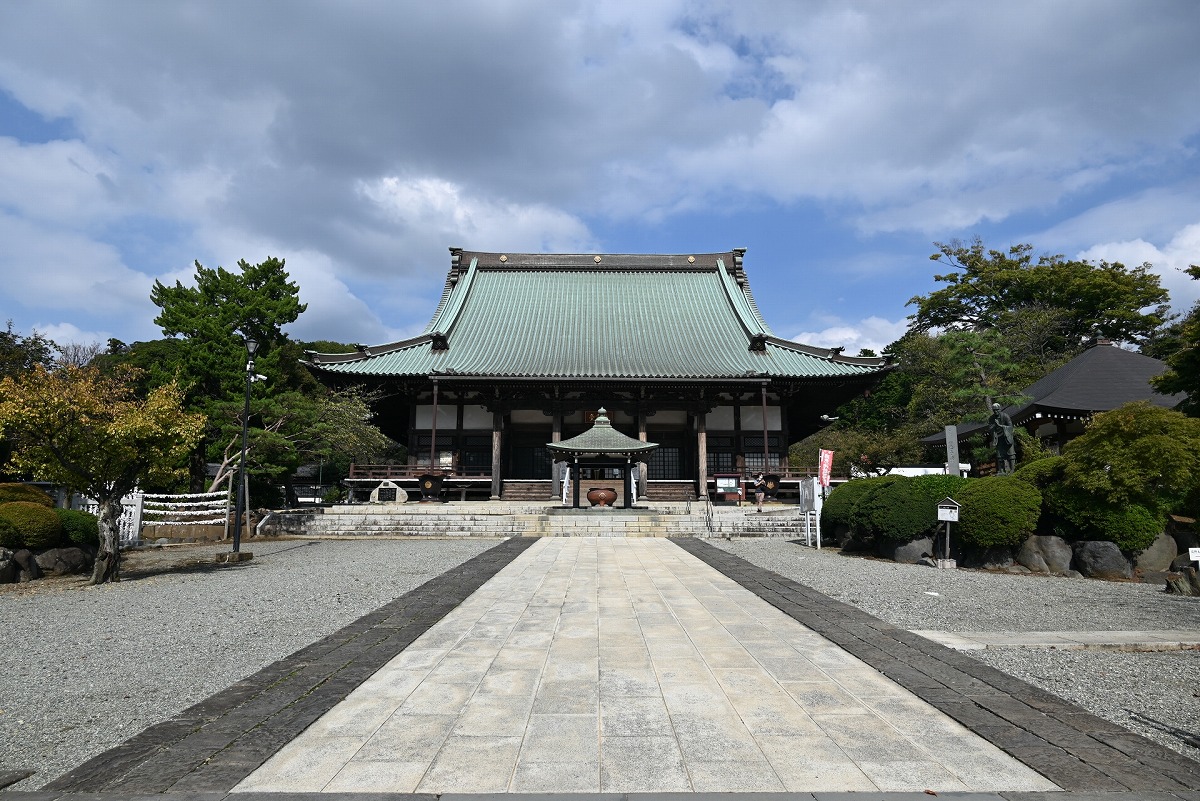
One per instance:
(1045,554)
(8,567)
(1158,556)
(911,553)
(27,564)
(1181,562)
(1101,559)
(63,561)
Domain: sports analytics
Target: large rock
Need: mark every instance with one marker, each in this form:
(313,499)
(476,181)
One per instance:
(1101,559)
(8,567)
(63,561)
(911,553)
(27,564)
(1158,556)
(1046,554)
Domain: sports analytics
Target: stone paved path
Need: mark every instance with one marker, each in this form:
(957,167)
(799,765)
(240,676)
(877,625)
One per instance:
(628,665)
(631,659)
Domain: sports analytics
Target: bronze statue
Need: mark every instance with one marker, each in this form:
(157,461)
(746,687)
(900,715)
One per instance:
(1000,436)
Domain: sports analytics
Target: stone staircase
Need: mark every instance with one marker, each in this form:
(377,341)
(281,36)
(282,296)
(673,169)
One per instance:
(531,519)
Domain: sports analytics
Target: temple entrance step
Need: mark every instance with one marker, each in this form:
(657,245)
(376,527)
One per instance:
(526,490)
(499,519)
(670,491)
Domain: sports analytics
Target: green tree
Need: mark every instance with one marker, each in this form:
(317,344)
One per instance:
(212,320)
(1139,454)
(20,353)
(1182,356)
(91,433)
(1009,319)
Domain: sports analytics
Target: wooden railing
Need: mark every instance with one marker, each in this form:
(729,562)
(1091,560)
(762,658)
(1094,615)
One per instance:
(395,471)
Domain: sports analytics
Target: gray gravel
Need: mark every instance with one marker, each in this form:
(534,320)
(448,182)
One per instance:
(87,667)
(1154,694)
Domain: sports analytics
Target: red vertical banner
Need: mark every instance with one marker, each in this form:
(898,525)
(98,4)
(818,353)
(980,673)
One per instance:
(826,468)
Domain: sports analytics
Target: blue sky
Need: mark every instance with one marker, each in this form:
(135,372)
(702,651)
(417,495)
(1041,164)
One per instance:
(835,141)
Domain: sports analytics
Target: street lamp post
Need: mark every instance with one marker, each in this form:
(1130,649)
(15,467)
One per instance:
(251,348)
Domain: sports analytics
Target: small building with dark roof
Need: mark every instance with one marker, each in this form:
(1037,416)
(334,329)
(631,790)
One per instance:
(1058,406)
(523,349)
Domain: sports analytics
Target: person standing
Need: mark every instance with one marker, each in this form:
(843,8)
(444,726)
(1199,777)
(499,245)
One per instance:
(760,490)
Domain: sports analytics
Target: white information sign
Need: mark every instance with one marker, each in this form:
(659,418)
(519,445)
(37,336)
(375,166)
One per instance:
(947,514)
(1194,554)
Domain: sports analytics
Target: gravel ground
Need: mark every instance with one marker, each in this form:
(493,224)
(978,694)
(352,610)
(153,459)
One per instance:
(1154,694)
(87,667)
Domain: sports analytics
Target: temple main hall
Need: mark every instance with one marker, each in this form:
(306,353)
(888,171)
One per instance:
(524,349)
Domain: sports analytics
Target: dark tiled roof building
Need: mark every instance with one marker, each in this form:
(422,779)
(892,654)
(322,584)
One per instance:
(523,348)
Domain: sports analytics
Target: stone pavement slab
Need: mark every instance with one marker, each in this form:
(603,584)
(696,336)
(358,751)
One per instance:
(658,674)
(1165,640)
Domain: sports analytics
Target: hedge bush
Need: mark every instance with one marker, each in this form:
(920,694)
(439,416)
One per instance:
(839,506)
(81,528)
(10,493)
(38,526)
(997,511)
(906,509)
(863,511)
(1042,473)
(9,536)
(1132,527)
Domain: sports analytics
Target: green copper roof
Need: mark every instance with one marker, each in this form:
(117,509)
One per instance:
(597,317)
(602,439)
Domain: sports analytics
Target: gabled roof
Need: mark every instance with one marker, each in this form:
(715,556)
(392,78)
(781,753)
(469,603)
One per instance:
(586,316)
(1100,379)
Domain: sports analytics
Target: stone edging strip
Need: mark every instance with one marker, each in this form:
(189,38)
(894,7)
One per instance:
(213,745)
(1076,750)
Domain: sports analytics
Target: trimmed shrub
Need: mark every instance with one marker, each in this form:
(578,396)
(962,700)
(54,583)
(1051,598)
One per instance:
(864,507)
(906,509)
(1131,527)
(39,527)
(998,511)
(81,528)
(1041,473)
(839,506)
(11,493)
(9,536)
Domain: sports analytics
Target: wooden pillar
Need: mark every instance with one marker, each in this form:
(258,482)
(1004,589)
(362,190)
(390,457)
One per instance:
(433,429)
(575,483)
(555,467)
(628,474)
(497,441)
(702,452)
(766,448)
(642,475)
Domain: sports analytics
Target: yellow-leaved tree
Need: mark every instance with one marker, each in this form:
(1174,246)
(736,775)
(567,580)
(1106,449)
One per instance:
(90,432)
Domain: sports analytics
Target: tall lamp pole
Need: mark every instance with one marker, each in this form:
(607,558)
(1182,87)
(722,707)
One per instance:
(251,349)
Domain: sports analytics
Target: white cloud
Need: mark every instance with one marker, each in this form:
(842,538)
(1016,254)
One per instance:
(873,333)
(440,212)
(67,333)
(1169,261)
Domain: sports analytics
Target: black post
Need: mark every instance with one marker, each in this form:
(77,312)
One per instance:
(251,347)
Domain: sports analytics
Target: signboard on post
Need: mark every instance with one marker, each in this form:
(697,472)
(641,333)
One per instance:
(947,513)
(951,450)
(825,468)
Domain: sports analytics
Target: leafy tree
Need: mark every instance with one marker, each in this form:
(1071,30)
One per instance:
(1009,319)
(91,433)
(213,319)
(20,353)
(1056,303)
(1138,453)
(1183,358)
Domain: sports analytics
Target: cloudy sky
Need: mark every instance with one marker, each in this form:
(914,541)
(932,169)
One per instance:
(359,140)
